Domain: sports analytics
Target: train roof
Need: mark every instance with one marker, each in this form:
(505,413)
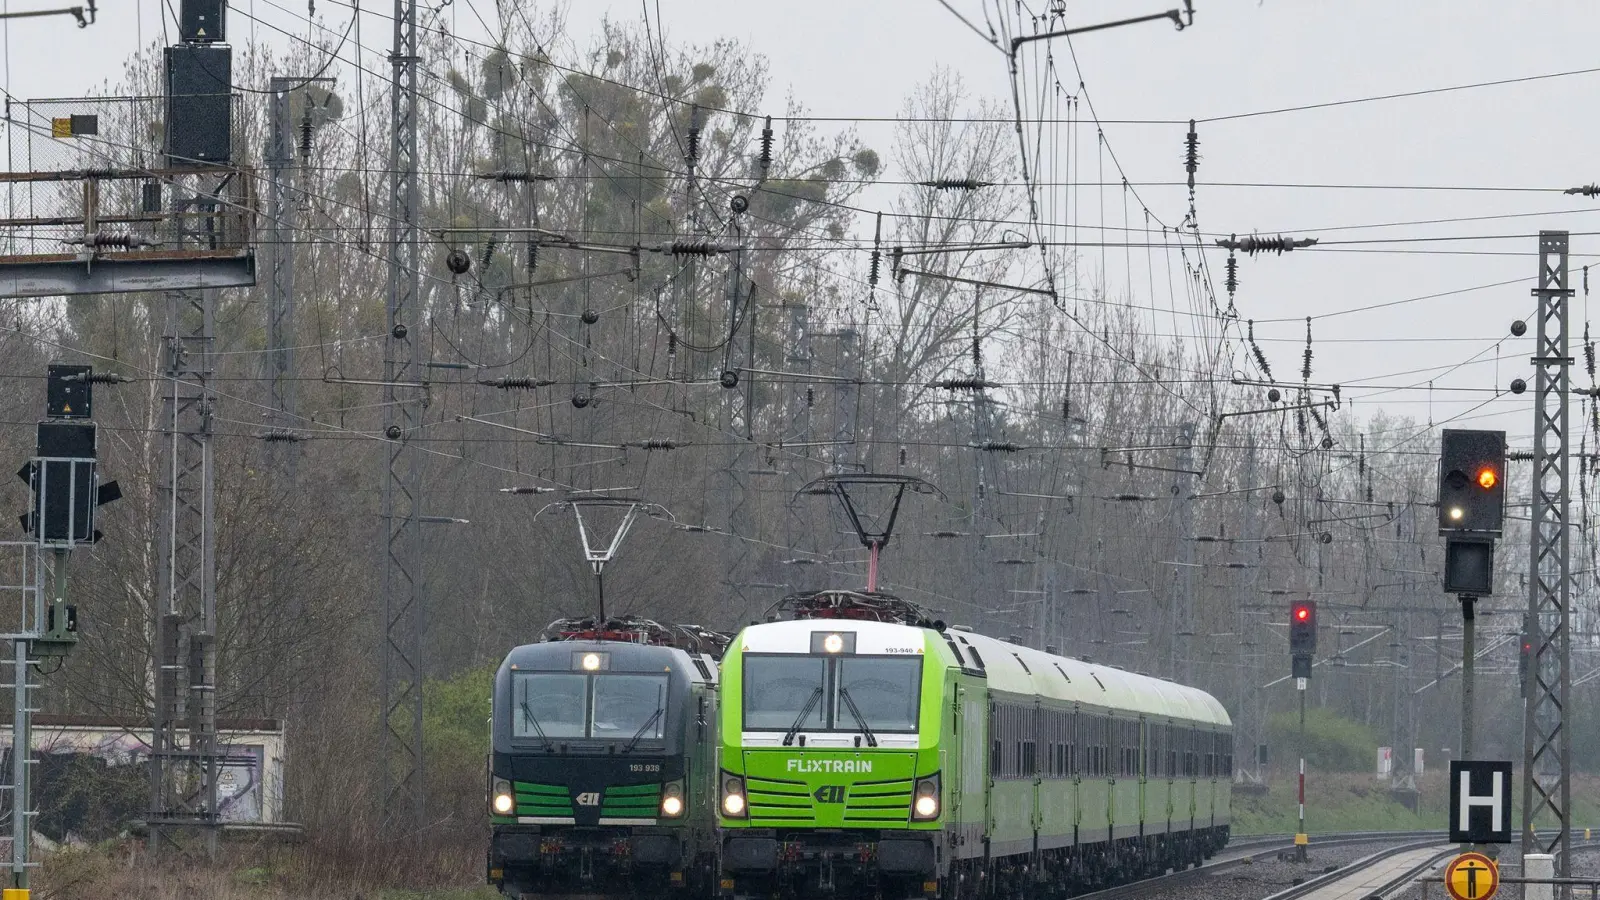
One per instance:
(1025,670)
(1010,668)
(625,656)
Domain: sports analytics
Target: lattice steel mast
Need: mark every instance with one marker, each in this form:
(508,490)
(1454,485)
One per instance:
(183,750)
(281,210)
(1546,748)
(401,754)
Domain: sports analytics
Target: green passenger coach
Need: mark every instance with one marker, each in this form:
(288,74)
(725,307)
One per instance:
(867,752)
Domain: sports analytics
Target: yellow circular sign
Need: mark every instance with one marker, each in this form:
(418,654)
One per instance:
(1472,876)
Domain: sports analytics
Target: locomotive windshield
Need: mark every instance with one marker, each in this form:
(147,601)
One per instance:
(885,692)
(604,706)
(777,688)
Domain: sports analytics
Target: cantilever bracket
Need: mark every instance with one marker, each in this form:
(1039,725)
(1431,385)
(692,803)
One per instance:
(1180,18)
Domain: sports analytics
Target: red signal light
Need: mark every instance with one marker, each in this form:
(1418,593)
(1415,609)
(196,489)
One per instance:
(1302,613)
(1487,478)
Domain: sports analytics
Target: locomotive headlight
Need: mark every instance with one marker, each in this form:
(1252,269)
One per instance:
(926,803)
(833,643)
(502,800)
(591,661)
(672,800)
(733,803)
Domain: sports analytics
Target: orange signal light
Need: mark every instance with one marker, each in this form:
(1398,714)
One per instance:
(1487,478)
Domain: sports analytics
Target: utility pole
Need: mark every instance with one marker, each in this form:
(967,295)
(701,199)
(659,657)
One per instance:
(404,802)
(1546,748)
(183,749)
(281,210)
(283,207)
(1179,662)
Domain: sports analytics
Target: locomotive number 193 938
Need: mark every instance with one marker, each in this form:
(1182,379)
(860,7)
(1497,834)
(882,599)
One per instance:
(645,767)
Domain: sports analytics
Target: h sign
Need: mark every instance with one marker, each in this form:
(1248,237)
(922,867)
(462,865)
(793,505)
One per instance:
(1480,802)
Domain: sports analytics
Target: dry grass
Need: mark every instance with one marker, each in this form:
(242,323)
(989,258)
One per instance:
(258,872)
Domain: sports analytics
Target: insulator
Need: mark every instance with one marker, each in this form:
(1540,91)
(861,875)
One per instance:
(999,447)
(977,353)
(1191,153)
(100,378)
(657,445)
(672,343)
(692,247)
(956,184)
(765,159)
(533,255)
(1588,351)
(1588,190)
(1300,424)
(1261,358)
(1317,417)
(902,456)
(1252,244)
(503,175)
(111,241)
(811,397)
(488,251)
(1230,278)
(1305,367)
(1066,408)
(520,384)
(305,135)
(280,436)
(877,253)
(963,384)
(693,154)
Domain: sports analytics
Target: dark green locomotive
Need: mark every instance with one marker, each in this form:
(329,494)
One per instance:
(602,775)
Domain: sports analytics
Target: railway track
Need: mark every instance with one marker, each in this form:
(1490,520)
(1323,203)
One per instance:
(1245,851)
(1381,874)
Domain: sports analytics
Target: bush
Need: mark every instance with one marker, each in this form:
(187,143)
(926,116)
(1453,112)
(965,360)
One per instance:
(455,734)
(1333,743)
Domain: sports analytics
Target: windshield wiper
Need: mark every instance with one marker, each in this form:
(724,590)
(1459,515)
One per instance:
(628,747)
(866,730)
(788,738)
(527,711)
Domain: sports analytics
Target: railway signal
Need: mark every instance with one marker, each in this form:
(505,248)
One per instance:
(1472,484)
(1472,500)
(1302,636)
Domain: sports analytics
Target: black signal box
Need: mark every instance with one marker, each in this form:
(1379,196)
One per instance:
(202,21)
(1472,481)
(1469,566)
(67,392)
(199,105)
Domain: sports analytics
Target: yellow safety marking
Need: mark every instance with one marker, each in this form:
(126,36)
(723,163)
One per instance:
(1472,876)
(15,893)
(1300,840)
(59,128)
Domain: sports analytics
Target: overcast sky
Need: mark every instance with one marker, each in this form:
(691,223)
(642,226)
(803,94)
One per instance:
(860,58)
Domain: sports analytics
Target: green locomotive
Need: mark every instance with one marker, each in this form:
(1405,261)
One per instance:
(602,773)
(868,752)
